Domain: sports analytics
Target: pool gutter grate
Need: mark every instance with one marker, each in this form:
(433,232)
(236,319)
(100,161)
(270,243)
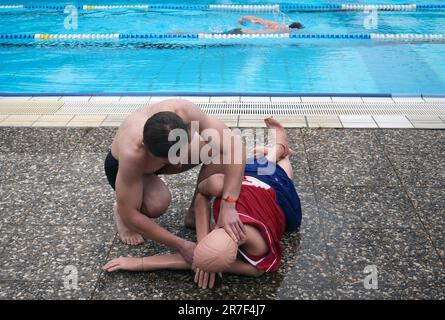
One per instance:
(325,108)
(80,107)
(315,108)
(396,113)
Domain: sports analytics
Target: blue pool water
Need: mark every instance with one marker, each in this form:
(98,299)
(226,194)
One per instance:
(209,66)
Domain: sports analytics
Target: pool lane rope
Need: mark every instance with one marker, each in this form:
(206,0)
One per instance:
(152,36)
(245,8)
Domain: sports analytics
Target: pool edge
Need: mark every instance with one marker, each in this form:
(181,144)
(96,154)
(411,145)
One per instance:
(322,111)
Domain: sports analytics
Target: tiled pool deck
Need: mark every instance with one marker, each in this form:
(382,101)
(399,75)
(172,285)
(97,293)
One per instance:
(299,111)
(369,197)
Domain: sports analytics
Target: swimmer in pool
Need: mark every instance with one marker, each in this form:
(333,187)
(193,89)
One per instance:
(268,26)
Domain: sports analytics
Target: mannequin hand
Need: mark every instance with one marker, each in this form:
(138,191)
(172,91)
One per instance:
(203,278)
(131,264)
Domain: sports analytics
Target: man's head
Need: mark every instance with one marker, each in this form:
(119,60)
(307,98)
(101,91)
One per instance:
(157,129)
(296,25)
(216,252)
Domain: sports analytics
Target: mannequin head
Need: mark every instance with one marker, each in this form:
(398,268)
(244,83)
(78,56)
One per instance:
(215,252)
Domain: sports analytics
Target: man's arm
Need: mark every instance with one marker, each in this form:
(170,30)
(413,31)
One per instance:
(202,216)
(232,151)
(129,193)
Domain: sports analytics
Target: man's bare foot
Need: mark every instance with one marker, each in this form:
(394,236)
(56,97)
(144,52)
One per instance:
(126,235)
(279,135)
(189,218)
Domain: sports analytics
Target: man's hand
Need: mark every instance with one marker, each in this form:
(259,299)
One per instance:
(186,249)
(204,278)
(229,220)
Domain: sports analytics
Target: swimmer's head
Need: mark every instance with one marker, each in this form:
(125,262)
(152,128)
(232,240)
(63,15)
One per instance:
(157,130)
(296,25)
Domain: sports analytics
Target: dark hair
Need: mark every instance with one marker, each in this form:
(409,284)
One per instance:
(157,129)
(296,25)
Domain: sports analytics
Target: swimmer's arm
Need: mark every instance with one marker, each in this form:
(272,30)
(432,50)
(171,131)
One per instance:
(244,18)
(252,19)
(257,20)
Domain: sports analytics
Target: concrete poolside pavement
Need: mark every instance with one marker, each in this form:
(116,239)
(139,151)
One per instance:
(369,197)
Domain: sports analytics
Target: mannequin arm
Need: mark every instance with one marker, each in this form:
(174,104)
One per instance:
(202,215)
(151,263)
(212,186)
(173,262)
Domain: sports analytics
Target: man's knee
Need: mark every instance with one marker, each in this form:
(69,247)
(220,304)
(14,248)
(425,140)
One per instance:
(156,207)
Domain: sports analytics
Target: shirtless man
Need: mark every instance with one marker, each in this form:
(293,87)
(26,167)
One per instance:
(139,153)
(268,205)
(268,26)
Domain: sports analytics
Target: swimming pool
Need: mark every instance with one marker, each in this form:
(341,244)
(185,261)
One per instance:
(277,65)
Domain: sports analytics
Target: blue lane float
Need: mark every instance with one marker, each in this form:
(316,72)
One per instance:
(155,36)
(242,8)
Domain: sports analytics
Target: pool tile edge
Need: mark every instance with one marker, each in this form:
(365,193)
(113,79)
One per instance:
(241,119)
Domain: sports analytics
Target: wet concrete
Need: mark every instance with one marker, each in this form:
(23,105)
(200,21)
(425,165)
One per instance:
(369,197)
